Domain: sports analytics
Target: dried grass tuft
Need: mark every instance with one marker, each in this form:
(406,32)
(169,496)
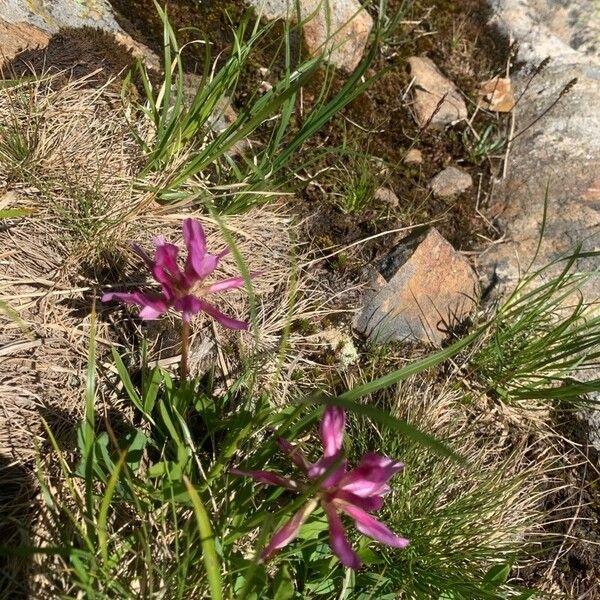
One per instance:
(76,176)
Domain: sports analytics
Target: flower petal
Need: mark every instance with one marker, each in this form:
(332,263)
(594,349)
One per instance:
(143,255)
(268,478)
(165,257)
(332,430)
(335,468)
(289,531)
(194,237)
(296,455)
(199,264)
(371,475)
(201,268)
(338,541)
(222,318)
(227,284)
(370,503)
(152,307)
(369,525)
(166,270)
(188,305)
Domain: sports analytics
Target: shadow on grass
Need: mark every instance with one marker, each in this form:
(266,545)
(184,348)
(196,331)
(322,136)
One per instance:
(17,491)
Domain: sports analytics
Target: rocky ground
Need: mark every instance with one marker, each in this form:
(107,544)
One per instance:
(457,77)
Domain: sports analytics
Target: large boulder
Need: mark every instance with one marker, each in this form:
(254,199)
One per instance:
(31,25)
(554,157)
(421,291)
(337,28)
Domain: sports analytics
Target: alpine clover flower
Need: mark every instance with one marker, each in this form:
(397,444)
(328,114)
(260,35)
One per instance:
(357,492)
(182,289)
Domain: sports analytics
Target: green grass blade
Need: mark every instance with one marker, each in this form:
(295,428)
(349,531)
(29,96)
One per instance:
(432,360)
(105,504)
(89,425)
(383,417)
(13,213)
(209,551)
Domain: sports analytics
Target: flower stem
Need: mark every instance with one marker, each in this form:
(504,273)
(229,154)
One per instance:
(185,347)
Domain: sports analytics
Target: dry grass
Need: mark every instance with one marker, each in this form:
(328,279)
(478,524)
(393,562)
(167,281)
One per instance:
(77,179)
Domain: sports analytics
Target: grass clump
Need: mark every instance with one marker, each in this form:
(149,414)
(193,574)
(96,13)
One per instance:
(180,137)
(358,184)
(544,343)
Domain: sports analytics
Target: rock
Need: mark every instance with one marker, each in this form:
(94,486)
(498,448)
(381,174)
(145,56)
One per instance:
(16,37)
(591,417)
(450,182)
(338,28)
(496,94)
(555,156)
(555,153)
(277,9)
(414,157)
(342,31)
(437,101)
(567,32)
(387,196)
(30,25)
(423,289)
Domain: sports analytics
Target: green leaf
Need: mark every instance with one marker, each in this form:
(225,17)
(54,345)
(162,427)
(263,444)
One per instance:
(525,595)
(127,383)
(88,432)
(136,443)
(283,585)
(312,529)
(207,540)
(498,574)
(151,391)
(105,504)
(14,213)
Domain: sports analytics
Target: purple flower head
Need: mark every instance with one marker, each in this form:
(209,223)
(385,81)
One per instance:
(182,289)
(356,493)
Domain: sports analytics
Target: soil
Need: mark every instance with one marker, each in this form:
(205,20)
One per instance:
(78,53)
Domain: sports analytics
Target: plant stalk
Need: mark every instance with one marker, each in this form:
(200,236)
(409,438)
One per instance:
(185,347)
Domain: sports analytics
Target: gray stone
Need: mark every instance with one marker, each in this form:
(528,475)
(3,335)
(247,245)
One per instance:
(555,155)
(566,31)
(51,16)
(450,182)
(387,196)
(421,290)
(337,28)
(436,100)
(592,420)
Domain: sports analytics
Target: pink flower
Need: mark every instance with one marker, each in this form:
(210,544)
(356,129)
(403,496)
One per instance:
(182,289)
(356,493)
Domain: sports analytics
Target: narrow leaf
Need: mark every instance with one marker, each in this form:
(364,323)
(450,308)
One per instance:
(209,551)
